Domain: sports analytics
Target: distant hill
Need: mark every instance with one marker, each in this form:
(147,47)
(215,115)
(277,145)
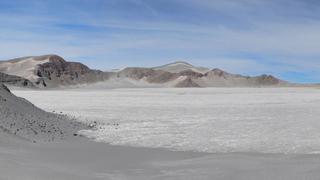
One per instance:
(53,71)
(189,77)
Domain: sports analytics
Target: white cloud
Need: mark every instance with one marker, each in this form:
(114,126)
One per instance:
(288,43)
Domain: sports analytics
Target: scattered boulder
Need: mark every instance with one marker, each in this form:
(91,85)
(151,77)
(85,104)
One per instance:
(21,118)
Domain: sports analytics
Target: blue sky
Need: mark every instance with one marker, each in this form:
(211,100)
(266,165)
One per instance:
(251,37)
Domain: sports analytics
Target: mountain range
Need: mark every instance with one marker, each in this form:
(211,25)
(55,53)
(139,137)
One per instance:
(52,71)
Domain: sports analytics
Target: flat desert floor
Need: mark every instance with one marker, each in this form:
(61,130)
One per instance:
(212,133)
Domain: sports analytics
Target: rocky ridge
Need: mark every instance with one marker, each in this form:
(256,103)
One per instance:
(51,71)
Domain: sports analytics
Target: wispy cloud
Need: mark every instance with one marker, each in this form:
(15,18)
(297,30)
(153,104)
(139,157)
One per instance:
(244,36)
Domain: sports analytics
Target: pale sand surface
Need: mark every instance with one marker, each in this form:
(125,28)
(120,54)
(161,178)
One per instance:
(265,120)
(78,158)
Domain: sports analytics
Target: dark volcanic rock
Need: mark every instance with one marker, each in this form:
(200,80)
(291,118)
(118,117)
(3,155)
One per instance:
(190,73)
(148,74)
(217,72)
(267,80)
(15,80)
(60,72)
(188,82)
(51,71)
(5,88)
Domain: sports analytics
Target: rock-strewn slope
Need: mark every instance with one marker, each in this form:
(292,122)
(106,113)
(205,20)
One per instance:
(21,118)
